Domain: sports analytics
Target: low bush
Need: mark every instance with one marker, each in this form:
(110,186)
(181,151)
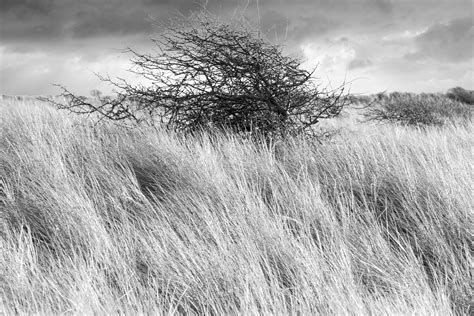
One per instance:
(417,109)
(461,95)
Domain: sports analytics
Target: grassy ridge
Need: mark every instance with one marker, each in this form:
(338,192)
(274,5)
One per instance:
(101,219)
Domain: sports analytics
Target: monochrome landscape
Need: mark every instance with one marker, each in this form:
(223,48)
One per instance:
(304,157)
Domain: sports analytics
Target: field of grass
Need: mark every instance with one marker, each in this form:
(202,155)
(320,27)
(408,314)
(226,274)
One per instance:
(100,219)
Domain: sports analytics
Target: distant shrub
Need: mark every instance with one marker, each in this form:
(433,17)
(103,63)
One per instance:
(461,95)
(417,109)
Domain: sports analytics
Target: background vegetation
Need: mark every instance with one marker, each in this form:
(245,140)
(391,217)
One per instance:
(419,109)
(101,219)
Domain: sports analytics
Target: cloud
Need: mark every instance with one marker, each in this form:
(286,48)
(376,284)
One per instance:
(359,63)
(22,7)
(330,59)
(385,6)
(50,20)
(53,19)
(273,22)
(97,21)
(447,42)
(36,72)
(380,37)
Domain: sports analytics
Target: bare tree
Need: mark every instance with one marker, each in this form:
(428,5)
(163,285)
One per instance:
(207,73)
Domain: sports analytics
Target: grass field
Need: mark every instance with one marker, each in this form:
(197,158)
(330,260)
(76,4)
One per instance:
(100,219)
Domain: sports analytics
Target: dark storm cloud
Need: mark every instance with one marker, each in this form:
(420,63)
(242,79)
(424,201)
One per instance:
(22,7)
(26,17)
(50,19)
(451,42)
(183,6)
(65,38)
(274,22)
(383,5)
(99,21)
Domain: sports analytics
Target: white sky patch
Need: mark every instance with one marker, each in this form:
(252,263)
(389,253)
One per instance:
(36,72)
(331,61)
(12,59)
(433,84)
(405,35)
(329,58)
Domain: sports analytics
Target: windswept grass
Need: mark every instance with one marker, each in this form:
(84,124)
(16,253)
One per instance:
(105,220)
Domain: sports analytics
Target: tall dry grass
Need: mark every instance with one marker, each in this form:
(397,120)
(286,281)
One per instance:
(106,220)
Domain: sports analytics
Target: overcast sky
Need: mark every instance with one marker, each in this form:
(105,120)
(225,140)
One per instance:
(377,45)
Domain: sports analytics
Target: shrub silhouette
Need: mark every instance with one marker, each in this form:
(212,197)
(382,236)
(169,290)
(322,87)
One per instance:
(417,109)
(211,74)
